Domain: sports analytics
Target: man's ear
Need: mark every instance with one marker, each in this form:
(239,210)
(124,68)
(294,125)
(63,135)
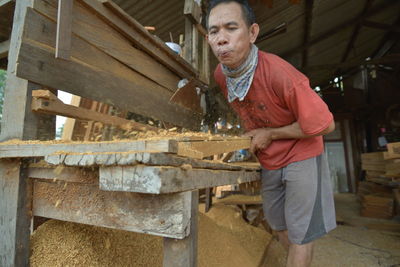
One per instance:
(254,31)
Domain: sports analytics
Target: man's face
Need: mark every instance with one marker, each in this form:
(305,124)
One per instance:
(228,34)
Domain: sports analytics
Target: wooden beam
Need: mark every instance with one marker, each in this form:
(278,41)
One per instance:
(4,47)
(166,215)
(381,26)
(341,27)
(193,11)
(389,59)
(281,28)
(132,158)
(52,105)
(131,29)
(184,252)
(64,29)
(350,44)
(165,179)
(19,149)
(204,149)
(17,122)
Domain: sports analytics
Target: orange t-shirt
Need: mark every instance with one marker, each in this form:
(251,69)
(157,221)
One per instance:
(281,95)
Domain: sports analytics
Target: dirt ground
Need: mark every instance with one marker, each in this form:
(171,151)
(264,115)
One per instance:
(225,239)
(351,243)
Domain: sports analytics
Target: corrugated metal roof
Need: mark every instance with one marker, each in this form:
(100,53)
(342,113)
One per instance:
(332,26)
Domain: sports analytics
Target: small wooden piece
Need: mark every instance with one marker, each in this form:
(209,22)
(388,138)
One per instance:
(193,11)
(188,97)
(64,29)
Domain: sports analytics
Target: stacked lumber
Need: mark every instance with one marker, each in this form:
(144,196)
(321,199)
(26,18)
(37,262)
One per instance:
(382,167)
(377,194)
(378,205)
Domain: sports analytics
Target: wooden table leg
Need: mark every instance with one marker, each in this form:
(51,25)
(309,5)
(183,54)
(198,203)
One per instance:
(183,252)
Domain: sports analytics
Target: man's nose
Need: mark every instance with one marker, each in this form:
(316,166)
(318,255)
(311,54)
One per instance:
(222,39)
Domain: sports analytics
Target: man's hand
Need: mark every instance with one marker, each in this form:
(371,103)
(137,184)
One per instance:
(260,138)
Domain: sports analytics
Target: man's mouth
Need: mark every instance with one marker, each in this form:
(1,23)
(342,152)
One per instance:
(224,54)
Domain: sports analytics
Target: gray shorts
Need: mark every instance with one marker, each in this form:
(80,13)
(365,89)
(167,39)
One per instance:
(299,198)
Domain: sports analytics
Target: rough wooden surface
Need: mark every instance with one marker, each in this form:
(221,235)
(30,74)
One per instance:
(98,33)
(207,148)
(65,174)
(64,29)
(184,252)
(41,149)
(165,215)
(91,69)
(165,179)
(147,158)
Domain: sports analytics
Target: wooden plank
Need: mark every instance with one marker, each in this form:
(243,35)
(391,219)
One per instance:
(36,63)
(4,47)
(65,174)
(165,215)
(41,149)
(394,148)
(184,252)
(57,107)
(7,8)
(64,29)
(165,179)
(101,35)
(131,158)
(131,29)
(208,148)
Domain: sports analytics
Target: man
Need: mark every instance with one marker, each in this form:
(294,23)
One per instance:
(285,119)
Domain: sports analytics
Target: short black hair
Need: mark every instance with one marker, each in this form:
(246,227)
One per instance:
(247,11)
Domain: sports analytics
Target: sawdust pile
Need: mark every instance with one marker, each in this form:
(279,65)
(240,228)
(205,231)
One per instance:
(227,242)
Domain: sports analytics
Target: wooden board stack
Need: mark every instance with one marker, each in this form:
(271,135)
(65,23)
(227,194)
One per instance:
(378,205)
(382,177)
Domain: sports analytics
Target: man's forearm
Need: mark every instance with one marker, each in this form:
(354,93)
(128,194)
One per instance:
(293,131)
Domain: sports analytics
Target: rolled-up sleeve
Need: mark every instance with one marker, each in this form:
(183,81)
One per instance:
(310,110)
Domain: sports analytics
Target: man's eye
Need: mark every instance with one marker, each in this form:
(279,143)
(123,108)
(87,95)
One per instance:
(232,29)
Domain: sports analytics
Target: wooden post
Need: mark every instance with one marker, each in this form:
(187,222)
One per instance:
(18,122)
(183,252)
(64,29)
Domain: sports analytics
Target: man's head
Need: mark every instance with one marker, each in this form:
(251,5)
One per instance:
(231,31)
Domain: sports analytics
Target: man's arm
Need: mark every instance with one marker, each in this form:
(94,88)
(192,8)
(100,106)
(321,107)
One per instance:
(261,138)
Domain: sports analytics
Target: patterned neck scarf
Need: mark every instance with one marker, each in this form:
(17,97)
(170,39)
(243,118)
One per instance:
(239,80)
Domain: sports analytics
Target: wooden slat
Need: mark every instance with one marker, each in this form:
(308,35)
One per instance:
(164,179)
(131,29)
(203,149)
(4,47)
(165,215)
(41,149)
(57,107)
(64,29)
(131,158)
(98,33)
(65,174)
(36,63)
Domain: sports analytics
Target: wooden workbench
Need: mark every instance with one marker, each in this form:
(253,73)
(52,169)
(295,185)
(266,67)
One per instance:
(117,187)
